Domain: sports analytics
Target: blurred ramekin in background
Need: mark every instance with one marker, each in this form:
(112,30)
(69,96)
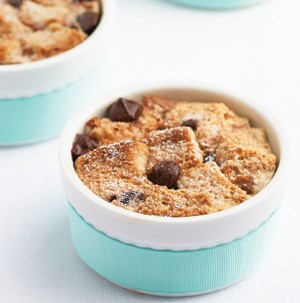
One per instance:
(37,98)
(216,4)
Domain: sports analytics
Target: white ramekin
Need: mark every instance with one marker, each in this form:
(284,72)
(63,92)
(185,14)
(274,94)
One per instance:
(212,235)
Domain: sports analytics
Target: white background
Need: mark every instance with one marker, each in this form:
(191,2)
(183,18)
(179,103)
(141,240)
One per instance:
(254,51)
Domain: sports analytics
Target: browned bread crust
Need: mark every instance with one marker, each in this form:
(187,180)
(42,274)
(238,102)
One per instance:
(176,144)
(9,21)
(246,159)
(41,44)
(118,171)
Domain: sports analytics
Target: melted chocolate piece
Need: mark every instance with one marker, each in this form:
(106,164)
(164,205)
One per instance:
(133,195)
(15,3)
(190,123)
(112,198)
(82,144)
(124,110)
(88,21)
(245,183)
(165,173)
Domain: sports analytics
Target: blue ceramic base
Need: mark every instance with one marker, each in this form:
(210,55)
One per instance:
(170,273)
(216,4)
(29,120)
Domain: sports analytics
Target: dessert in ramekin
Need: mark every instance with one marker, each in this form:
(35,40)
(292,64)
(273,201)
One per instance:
(32,93)
(167,255)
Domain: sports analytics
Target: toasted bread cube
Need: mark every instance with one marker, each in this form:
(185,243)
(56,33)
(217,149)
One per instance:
(10,23)
(176,144)
(246,159)
(117,174)
(210,118)
(54,40)
(108,132)
(124,159)
(38,16)
(207,178)
(11,51)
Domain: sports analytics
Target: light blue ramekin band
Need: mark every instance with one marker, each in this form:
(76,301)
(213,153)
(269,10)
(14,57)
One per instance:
(28,120)
(216,4)
(165,272)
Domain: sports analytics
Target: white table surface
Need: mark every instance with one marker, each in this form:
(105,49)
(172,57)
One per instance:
(254,51)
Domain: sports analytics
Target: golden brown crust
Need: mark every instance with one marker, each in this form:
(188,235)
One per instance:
(39,16)
(10,51)
(118,169)
(9,21)
(211,119)
(160,201)
(53,2)
(176,144)
(246,159)
(114,170)
(53,40)
(245,162)
(250,167)
(121,158)
(38,45)
(208,178)
(108,132)
(40,29)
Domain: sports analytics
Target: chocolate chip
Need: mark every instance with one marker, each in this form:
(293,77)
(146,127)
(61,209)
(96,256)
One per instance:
(132,196)
(112,198)
(88,21)
(246,183)
(82,144)
(209,157)
(165,173)
(124,110)
(190,123)
(28,51)
(15,3)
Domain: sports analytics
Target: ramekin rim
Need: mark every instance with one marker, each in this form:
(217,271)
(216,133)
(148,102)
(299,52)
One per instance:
(139,88)
(107,14)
